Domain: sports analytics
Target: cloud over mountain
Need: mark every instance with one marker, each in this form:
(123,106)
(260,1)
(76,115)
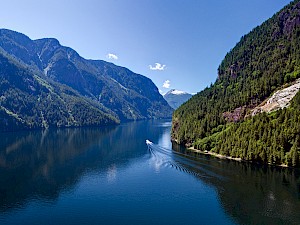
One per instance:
(167,84)
(157,66)
(112,56)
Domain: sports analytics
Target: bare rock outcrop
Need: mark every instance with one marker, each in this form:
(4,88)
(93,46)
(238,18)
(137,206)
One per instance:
(236,115)
(279,100)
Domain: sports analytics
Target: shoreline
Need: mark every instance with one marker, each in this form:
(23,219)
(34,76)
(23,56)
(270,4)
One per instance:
(192,149)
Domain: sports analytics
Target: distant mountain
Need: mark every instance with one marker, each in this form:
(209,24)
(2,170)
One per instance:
(44,84)
(252,111)
(176,98)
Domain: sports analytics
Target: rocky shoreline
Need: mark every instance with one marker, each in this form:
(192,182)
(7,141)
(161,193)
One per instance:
(192,149)
(197,151)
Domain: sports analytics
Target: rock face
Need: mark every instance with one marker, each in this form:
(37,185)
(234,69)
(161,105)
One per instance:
(37,70)
(176,98)
(289,20)
(236,115)
(279,100)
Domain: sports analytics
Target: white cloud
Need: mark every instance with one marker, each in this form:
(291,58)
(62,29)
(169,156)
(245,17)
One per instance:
(167,84)
(157,66)
(112,56)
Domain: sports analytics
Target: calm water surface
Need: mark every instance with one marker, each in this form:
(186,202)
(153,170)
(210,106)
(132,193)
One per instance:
(110,176)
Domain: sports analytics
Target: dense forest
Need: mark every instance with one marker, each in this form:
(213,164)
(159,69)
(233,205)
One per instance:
(263,61)
(44,84)
(28,101)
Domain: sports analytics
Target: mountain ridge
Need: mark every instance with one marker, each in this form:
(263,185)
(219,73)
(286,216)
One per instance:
(175,98)
(176,92)
(261,62)
(117,92)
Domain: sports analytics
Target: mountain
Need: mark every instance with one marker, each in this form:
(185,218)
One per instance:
(176,98)
(44,84)
(219,118)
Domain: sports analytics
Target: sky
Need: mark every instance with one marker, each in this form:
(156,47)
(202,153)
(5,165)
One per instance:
(176,43)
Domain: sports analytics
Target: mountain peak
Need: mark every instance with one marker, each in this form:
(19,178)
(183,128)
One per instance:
(175,98)
(86,92)
(176,92)
(49,41)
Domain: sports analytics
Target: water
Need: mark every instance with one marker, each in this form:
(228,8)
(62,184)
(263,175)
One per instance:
(109,176)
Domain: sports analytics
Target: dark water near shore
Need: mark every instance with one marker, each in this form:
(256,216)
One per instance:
(110,176)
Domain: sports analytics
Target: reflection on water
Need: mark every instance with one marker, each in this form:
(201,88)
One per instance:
(41,164)
(112,173)
(252,194)
(52,166)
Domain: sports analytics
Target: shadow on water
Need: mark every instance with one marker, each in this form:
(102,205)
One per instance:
(42,164)
(250,194)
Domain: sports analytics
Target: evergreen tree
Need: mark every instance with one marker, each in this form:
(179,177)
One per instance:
(263,61)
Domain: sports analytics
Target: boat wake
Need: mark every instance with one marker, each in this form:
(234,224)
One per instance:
(176,160)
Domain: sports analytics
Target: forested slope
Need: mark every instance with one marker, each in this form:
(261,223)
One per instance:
(30,101)
(262,62)
(44,84)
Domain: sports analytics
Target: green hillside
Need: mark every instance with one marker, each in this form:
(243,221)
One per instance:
(262,62)
(44,84)
(29,101)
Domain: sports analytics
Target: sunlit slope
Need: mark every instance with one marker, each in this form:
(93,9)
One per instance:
(265,60)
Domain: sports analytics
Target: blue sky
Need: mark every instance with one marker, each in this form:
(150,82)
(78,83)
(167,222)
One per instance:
(179,43)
